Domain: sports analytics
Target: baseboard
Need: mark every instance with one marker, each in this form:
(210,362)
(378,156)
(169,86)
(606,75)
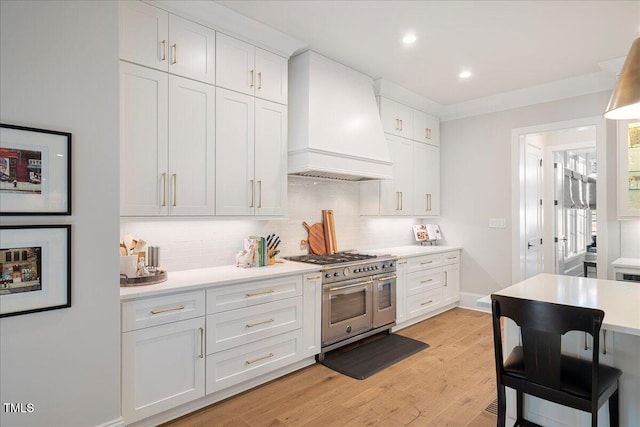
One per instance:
(470,302)
(118,422)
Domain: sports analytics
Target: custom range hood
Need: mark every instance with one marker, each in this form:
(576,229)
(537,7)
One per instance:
(335,130)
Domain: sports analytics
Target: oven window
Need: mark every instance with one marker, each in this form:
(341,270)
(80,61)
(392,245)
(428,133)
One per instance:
(384,295)
(348,306)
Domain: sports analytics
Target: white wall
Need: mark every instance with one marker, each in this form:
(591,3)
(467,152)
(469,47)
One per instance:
(189,244)
(476,185)
(59,70)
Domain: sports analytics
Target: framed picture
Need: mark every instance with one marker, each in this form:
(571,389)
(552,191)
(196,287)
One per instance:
(35,268)
(35,173)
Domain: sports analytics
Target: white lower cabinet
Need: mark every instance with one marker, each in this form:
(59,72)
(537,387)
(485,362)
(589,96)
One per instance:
(214,342)
(162,366)
(426,285)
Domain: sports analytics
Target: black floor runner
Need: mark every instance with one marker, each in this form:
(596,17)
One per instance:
(367,359)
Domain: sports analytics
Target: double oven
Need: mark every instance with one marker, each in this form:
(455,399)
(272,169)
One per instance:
(358,296)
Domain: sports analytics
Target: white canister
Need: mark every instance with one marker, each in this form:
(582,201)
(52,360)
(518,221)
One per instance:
(129,265)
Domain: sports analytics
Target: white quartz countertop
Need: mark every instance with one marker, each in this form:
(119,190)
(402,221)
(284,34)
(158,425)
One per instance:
(414,250)
(627,263)
(620,301)
(178,281)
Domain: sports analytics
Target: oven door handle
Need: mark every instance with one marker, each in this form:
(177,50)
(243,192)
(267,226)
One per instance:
(339,288)
(384,279)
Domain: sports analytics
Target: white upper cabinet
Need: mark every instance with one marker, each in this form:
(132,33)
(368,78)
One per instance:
(155,38)
(426,180)
(426,128)
(248,69)
(397,119)
(251,155)
(396,195)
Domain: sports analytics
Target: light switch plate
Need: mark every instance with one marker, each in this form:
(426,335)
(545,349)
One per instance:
(497,223)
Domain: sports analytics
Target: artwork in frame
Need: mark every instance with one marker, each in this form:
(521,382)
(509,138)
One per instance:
(35,171)
(35,268)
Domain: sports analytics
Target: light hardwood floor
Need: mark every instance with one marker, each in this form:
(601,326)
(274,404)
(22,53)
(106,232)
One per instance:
(448,384)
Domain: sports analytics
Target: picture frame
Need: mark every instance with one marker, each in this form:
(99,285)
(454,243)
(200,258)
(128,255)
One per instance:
(35,268)
(35,171)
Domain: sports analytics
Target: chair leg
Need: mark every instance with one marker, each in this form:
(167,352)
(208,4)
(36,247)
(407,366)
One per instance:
(614,415)
(519,404)
(502,407)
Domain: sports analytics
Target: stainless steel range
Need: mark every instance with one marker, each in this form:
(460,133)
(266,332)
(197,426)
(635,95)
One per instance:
(358,296)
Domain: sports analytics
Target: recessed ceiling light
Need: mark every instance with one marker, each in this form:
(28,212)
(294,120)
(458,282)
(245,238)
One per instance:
(409,38)
(465,74)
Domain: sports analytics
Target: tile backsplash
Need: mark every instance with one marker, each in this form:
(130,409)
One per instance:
(198,243)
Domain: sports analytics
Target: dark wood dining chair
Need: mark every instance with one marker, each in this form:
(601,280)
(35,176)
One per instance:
(538,368)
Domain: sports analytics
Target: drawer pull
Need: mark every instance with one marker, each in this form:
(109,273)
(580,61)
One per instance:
(314,278)
(428,302)
(251,325)
(201,356)
(164,310)
(426,262)
(253,294)
(453,257)
(426,281)
(250,362)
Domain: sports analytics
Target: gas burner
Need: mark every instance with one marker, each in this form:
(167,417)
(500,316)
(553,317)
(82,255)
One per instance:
(337,258)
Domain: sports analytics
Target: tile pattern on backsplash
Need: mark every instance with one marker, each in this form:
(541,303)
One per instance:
(199,243)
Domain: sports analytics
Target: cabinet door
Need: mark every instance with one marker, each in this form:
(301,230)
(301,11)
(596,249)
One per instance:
(270,158)
(143,141)
(401,291)
(192,50)
(312,314)
(405,117)
(235,68)
(162,367)
(272,74)
(235,189)
(191,147)
(426,179)
(426,128)
(395,194)
(144,31)
(451,283)
(389,115)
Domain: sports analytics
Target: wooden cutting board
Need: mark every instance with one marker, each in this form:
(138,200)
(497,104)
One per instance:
(316,238)
(329,231)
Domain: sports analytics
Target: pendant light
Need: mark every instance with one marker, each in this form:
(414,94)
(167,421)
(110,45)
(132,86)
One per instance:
(625,100)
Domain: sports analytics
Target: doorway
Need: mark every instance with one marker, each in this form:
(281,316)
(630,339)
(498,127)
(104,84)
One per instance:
(580,143)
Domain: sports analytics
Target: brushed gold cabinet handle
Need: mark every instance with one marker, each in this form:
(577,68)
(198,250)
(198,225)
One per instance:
(426,262)
(251,325)
(174,50)
(314,278)
(164,189)
(397,124)
(401,201)
(426,281)
(446,279)
(260,80)
(252,193)
(253,294)
(249,362)
(259,192)
(174,178)
(251,82)
(164,310)
(201,356)
(163,56)
(428,302)
(401,126)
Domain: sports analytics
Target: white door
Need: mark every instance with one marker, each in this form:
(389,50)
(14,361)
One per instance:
(192,50)
(235,68)
(191,147)
(395,194)
(533,210)
(143,141)
(270,158)
(144,31)
(560,237)
(272,74)
(235,183)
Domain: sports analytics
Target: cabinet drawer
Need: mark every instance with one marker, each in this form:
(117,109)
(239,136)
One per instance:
(423,303)
(160,310)
(251,293)
(422,281)
(246,362)
(452,257)
(423,262)
(242,326)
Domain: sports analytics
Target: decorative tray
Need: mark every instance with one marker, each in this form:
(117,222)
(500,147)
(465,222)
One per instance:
(159,277)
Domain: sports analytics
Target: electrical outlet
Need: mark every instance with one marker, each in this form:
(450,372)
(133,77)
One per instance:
(497,223)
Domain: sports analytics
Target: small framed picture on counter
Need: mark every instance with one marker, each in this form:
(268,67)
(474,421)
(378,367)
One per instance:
(35,171)
(35,268)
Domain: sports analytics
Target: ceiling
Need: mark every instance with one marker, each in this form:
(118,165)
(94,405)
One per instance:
(507,45)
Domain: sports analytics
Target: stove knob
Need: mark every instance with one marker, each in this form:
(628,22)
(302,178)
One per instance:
(346,271)
(384,266)
(336,274)
(376,267)
(357,270)
(327,275)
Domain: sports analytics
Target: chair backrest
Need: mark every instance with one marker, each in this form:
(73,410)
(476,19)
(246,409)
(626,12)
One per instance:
(542,325)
